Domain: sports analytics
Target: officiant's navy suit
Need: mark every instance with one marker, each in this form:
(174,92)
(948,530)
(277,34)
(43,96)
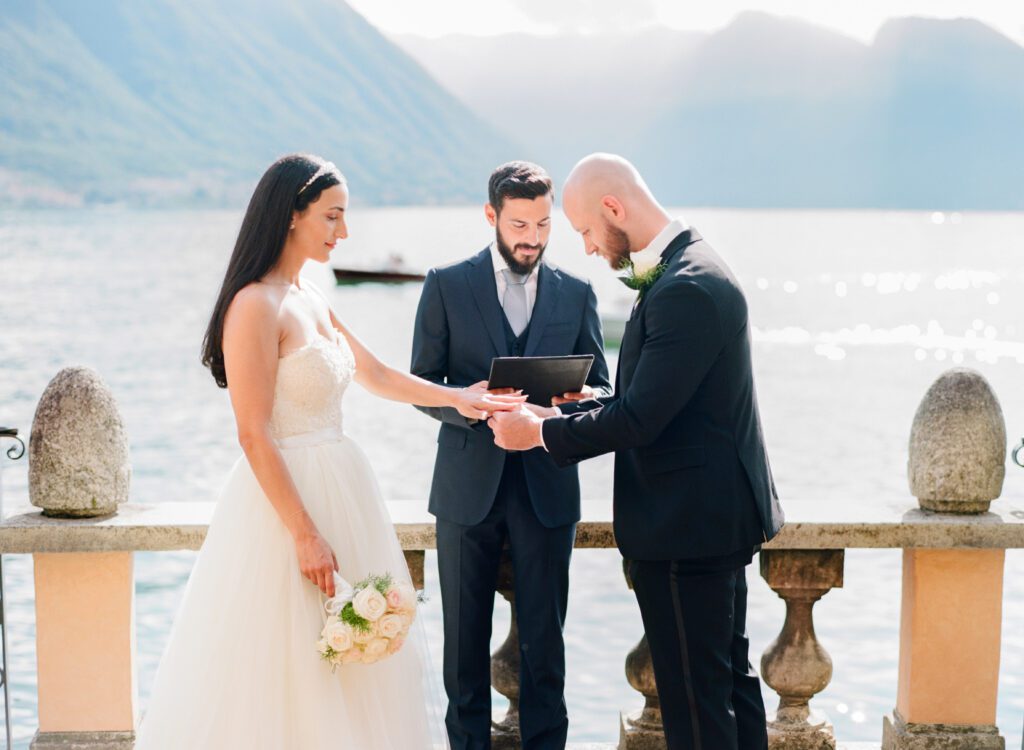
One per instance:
(694,494)
(484,497)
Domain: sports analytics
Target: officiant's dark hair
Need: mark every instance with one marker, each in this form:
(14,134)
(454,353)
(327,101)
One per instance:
(517,179)
(290,184)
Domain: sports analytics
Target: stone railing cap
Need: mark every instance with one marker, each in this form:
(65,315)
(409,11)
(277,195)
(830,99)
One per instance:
(812,524)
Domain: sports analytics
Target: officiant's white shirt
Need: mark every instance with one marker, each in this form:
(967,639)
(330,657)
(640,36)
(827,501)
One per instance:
(499,279)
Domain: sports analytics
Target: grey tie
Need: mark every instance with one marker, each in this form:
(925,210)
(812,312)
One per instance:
(514,301)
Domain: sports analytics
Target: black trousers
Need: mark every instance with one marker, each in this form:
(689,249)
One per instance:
(694,614)
(468,558)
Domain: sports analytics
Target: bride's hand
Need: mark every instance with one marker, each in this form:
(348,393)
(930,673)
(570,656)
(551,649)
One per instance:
(316,561)
(476,402)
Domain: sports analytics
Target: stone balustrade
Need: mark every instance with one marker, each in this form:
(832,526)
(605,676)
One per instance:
(87,696)
(953,541)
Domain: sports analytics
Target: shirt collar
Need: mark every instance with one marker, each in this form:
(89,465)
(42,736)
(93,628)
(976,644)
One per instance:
(661,240)
(500,264)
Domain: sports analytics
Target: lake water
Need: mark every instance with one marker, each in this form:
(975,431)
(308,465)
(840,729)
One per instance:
(855,314)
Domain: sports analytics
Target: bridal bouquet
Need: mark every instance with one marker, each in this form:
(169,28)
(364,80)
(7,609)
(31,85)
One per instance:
(366,622)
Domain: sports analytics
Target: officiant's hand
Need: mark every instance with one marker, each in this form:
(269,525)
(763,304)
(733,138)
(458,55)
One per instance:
(481,387)
(518,430)
(476,402)
(568,398)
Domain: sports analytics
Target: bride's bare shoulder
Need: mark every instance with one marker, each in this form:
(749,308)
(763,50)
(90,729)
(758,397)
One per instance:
(257,302)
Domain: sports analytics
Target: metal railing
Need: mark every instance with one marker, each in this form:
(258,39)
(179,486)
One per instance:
(13,453)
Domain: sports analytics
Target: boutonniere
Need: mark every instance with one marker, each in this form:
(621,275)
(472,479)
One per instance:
(641,270)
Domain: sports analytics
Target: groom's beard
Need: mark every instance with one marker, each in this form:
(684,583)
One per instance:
(617,246)
(516,265)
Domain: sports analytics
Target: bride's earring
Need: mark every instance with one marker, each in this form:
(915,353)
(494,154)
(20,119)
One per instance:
(292,226)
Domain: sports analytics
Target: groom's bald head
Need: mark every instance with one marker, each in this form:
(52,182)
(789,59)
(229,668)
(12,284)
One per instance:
(609,204)
(600,175)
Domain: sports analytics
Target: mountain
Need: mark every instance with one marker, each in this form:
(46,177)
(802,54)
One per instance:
(561,94)
(172,101)
(767,112)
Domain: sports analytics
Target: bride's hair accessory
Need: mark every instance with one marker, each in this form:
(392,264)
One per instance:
(326,168)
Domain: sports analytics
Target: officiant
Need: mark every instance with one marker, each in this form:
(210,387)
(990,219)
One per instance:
(506,300)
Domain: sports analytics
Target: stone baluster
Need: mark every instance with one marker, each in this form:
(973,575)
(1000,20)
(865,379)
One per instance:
(414,559)
(78,467)
(951,611)
(795,665)
(641,730)
(505,667)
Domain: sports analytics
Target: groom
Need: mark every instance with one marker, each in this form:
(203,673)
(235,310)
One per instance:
(504,301)
(694,495)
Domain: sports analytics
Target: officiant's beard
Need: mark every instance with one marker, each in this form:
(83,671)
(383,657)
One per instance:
(516,265)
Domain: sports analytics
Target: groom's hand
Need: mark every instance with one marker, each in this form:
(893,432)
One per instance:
(517,430)
(542,411)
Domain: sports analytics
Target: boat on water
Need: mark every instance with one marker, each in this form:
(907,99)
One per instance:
(378,276)
(394,271)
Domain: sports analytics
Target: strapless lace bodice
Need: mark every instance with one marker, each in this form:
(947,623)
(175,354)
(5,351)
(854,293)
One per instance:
(311,382)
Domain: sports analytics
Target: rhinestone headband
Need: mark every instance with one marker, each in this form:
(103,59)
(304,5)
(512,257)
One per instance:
(325,168)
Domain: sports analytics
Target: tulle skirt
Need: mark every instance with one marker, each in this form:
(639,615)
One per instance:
(241,670)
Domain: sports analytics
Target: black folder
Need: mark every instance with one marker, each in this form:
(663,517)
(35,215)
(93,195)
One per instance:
(541,378)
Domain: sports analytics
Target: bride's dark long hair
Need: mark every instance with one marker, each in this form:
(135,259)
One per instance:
(290,184)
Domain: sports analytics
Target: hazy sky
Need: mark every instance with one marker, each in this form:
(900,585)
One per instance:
(856,18)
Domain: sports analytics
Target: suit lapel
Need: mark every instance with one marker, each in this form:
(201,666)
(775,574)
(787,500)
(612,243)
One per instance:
(548,283)
(677,246)
(480,277)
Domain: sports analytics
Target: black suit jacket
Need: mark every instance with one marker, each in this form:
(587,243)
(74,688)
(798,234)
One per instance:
(459,329)
(692,478)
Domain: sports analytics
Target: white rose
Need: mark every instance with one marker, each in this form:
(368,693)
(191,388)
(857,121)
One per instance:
(374,650)
(389,626)
(321,646)
(369,604)
(338,636)
(644,261)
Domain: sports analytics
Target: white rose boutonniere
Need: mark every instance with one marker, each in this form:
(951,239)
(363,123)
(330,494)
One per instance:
(641,270)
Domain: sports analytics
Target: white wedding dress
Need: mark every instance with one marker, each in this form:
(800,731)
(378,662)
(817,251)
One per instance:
(241,670)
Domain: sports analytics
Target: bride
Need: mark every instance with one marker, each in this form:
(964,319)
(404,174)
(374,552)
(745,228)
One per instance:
(241,669)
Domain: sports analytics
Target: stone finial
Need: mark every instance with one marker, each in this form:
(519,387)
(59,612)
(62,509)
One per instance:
(958,445)
(78,455)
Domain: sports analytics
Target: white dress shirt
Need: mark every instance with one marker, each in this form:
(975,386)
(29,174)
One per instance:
(499,279)
(662,239)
